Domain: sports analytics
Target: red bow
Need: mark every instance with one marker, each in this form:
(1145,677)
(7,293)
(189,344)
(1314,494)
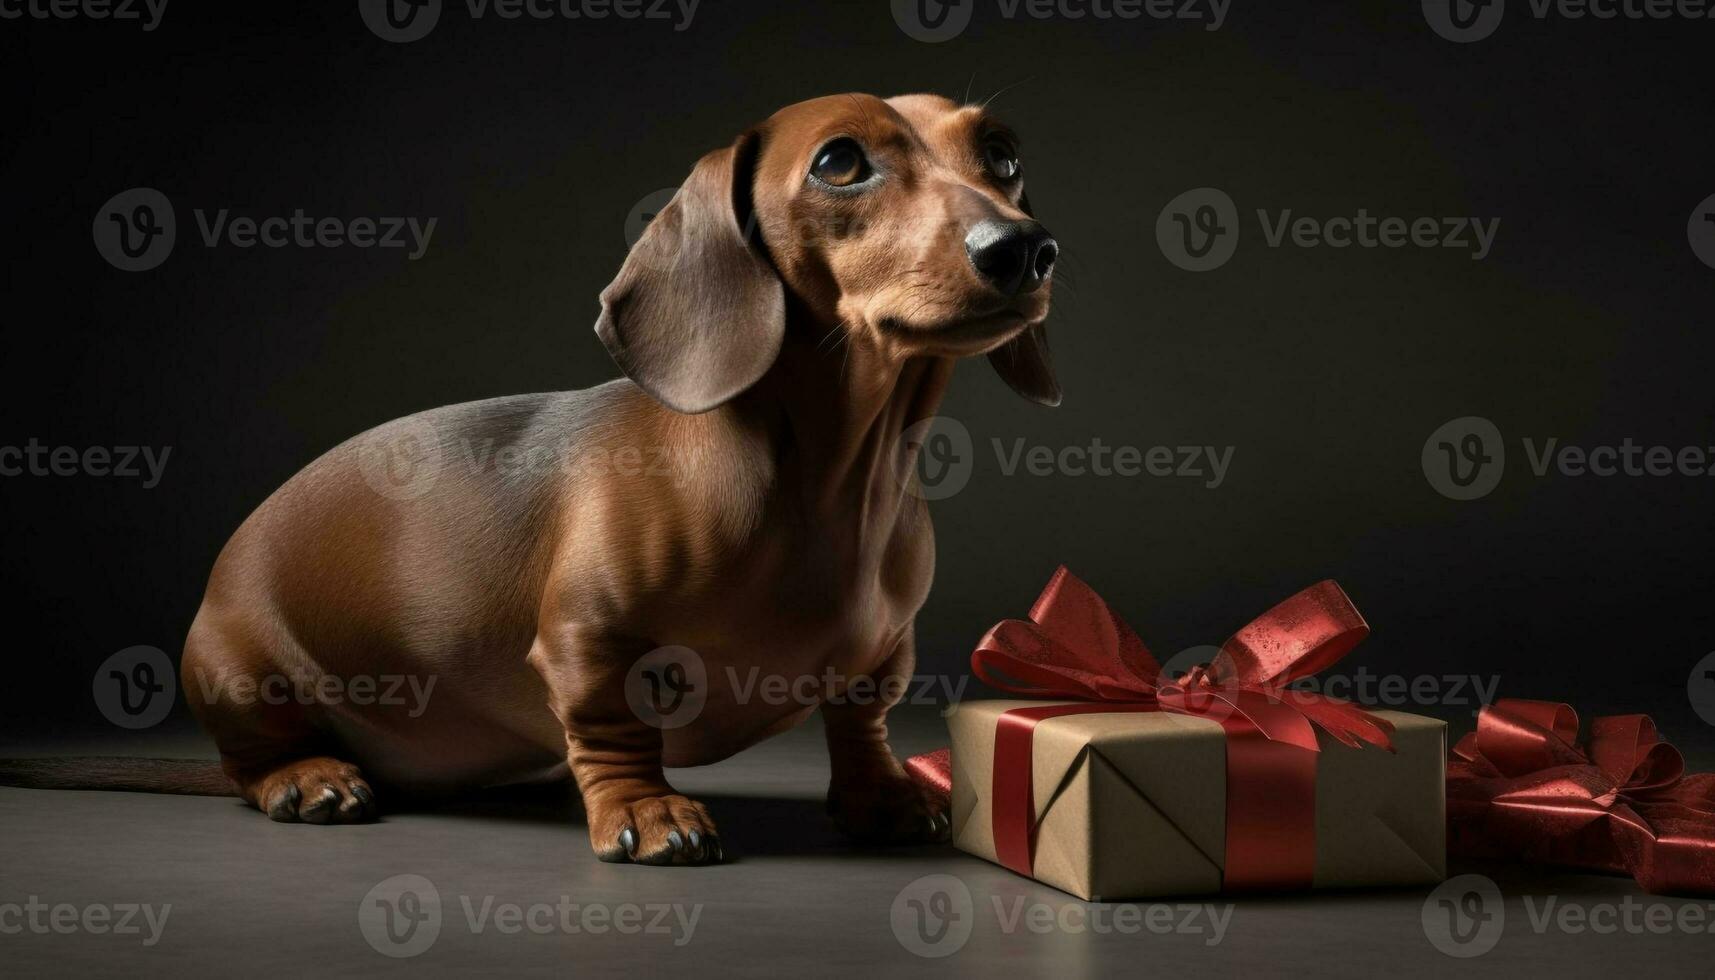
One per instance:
(1521,786)
(1074,646)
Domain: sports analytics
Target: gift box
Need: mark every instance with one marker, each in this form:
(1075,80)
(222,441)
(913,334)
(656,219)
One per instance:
(1134,805)
(1119,780)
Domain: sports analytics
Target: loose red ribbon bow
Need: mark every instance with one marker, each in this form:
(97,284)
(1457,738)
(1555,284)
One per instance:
(1074,646)
(1521,786)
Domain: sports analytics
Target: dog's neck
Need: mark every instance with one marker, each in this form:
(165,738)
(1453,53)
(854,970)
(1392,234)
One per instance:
(838,412)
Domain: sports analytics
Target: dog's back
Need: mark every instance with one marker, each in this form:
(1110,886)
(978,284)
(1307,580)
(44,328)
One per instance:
(411,557)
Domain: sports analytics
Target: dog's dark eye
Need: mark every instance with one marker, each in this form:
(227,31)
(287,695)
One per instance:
(840,164)
(1001,158)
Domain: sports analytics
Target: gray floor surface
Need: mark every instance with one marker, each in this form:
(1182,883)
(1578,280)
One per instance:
(519,893)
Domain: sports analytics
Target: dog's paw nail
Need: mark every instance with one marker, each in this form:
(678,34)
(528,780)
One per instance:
(361,806)
(628,841)
(321,809)
(717,852)
(679,850)
(285,806)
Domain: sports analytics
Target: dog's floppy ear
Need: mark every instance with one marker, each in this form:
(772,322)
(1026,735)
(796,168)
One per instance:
(1024,362)
(697,313)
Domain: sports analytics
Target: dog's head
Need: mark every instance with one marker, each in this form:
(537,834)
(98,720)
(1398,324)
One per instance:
(901,221)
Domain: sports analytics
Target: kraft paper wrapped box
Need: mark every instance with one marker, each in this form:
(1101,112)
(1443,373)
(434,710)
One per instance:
(1121,780)
(1133,805)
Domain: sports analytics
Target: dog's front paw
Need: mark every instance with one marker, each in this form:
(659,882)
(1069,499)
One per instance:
(887,808)
(319,790)
(667,829)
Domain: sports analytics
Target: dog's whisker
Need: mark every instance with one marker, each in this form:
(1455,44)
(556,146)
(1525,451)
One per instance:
(1072,259)
(917,309)
(834,334)
(862,109)
(1001,91)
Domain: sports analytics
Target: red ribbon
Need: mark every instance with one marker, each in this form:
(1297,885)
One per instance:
(1074,646)
(1521,787)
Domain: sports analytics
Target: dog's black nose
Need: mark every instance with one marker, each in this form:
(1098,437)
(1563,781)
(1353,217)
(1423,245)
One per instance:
(1014,256)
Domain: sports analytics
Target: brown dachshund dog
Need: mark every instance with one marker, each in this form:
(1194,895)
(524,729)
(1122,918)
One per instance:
(783,322)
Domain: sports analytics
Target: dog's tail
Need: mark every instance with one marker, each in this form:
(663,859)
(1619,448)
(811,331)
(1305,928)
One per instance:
(183,777)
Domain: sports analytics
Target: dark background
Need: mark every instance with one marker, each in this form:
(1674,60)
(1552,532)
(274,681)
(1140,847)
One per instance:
(530,142)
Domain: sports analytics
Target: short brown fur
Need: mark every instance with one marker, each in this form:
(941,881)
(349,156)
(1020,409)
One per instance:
(780,340)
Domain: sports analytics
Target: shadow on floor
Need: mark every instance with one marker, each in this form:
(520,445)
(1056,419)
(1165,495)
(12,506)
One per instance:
(759,827)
